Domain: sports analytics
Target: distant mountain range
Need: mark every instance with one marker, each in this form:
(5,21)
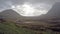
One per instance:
(11,14)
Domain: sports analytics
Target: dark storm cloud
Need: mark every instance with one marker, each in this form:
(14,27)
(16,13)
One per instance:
(4,4)
(31,1)
(39,1)
(34,1)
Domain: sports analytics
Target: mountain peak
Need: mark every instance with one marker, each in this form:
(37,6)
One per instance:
(9,14)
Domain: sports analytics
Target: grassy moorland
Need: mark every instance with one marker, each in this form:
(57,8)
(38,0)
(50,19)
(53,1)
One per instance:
(11,28)
(8,27)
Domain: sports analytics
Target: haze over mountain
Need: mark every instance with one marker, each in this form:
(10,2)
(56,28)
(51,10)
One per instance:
(11,14)
(54,12)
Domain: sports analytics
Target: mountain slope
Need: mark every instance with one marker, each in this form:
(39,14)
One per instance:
(9,14)
(55,11)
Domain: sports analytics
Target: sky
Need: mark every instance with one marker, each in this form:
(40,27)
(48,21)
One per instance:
(33,5)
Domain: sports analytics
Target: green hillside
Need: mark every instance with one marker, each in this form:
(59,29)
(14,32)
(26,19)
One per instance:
(8,27)
(11,28)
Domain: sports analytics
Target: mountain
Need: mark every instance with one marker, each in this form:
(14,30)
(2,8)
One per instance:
(55,11)
(9,14)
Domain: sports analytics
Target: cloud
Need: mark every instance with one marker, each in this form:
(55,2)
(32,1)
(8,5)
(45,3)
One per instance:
(4,4)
